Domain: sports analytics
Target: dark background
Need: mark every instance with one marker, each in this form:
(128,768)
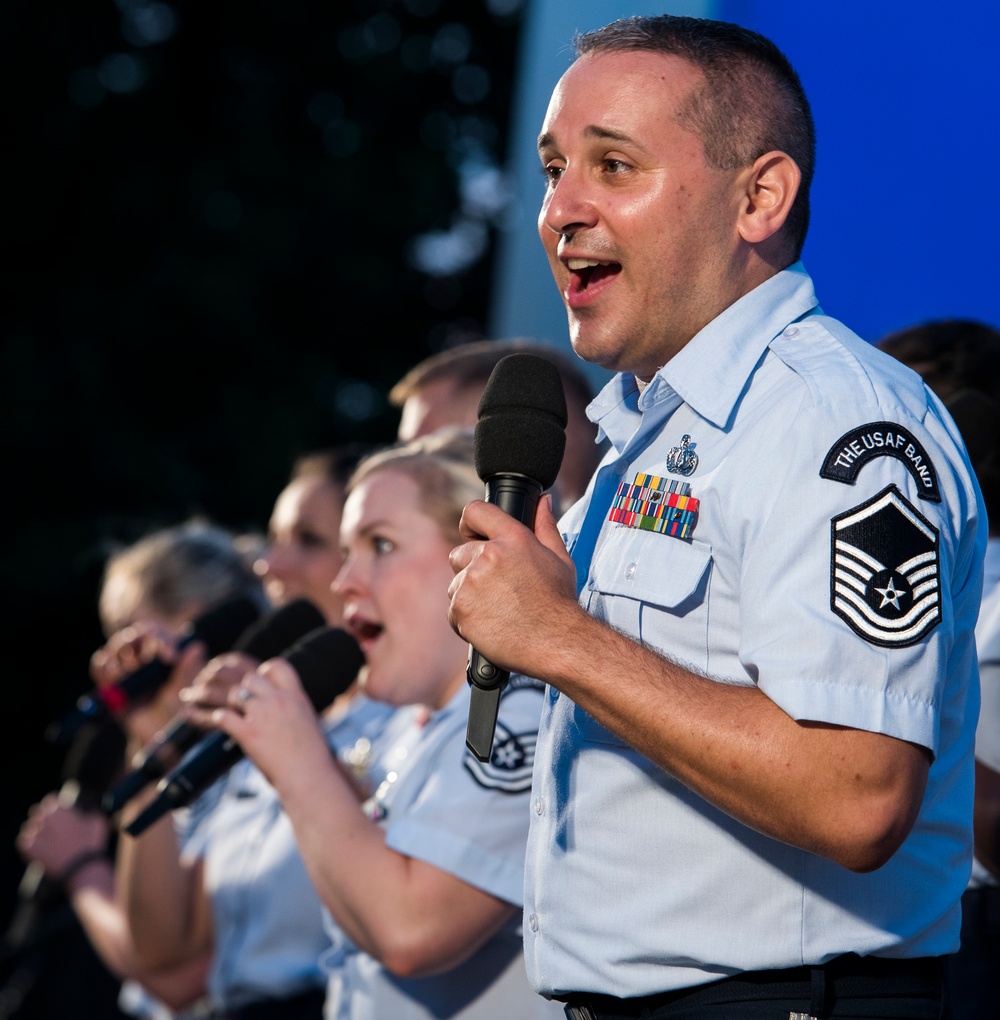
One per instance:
(228,228)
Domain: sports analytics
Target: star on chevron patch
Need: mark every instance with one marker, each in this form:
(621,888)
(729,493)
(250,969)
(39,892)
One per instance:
(511,762)
(885,572)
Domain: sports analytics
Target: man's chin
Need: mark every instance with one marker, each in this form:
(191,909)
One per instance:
(595,348)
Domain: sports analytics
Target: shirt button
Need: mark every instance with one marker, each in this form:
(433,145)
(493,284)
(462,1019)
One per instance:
(533,922)
(539,806)
(792,331)
(630,572)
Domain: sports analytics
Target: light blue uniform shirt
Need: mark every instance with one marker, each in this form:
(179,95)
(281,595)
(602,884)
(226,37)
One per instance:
(439,804)
(269,932)
(635,885)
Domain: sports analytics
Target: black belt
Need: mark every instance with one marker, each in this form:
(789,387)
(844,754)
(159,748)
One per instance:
(306,1005)
(820,986)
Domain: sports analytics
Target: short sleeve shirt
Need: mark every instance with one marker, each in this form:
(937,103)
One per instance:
(268,920)
(441,805)
(782,506)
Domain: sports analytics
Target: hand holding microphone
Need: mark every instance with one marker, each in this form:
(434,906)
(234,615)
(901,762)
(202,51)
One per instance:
(327,662)
(63,845)
(265,638)
(217,628)
(518,448)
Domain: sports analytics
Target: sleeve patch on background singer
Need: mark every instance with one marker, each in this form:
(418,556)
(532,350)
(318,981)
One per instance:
(886,572)
(510,764)
(853,450)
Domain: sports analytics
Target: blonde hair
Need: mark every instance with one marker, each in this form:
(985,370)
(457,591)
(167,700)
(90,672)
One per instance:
(441,464)
(177,570)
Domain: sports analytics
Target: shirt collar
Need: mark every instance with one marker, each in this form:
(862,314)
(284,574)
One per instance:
(710,372)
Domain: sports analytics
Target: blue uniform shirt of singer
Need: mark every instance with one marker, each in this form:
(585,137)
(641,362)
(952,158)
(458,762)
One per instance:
(441,806)
(635,885)
(268,918)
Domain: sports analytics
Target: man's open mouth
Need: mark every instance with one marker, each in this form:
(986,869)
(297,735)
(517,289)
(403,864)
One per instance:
(587,272)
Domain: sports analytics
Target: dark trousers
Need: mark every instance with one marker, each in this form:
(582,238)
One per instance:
(974,971)
(847,988)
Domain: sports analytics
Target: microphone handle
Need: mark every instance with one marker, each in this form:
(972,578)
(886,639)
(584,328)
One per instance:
(152,762)
(206,762)
(517,495)
(327,661)
(36,893)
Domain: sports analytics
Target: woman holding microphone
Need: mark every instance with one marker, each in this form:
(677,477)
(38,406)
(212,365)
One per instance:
(422,881)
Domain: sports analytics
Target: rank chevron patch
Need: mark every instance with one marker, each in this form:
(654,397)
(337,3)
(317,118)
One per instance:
(885,571)
(511,762)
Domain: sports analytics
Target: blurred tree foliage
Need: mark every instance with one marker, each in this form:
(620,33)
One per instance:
(230,227)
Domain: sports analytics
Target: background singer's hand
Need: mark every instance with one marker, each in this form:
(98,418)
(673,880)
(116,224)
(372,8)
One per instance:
(211,687)
(277,727)
(512,588)
(129,650)
(55,833)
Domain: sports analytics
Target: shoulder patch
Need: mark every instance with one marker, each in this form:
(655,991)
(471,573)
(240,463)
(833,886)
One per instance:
(885,571)
(853,450)
(511,762)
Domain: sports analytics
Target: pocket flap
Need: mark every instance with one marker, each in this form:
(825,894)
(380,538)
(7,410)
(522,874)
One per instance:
(649,567)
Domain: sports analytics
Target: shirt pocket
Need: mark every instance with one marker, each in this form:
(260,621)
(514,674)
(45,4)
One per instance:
(655,588)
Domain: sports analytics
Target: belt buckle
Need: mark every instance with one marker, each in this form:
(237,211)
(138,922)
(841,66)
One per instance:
(580,1012)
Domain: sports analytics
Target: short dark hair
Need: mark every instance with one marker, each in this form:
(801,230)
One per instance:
(752,100)
(472,363)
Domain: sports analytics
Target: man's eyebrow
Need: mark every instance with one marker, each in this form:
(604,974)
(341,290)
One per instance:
(546,139)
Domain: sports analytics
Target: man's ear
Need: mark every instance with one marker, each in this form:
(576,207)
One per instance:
(771,186)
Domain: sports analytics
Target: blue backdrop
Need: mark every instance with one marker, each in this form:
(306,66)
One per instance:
(906,203)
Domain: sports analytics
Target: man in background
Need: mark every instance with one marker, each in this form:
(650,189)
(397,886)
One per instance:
(444,389)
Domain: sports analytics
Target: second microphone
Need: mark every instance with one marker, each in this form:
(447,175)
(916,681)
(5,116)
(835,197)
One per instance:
(327,661)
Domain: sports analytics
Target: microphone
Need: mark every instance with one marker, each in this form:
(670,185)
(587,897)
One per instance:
(92,761)
(218,628)
(327,661)
(518,447)
(267,637)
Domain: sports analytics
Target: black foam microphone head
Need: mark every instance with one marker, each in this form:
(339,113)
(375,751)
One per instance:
(222,625)
(327,661)
(522,420)
(276,631)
